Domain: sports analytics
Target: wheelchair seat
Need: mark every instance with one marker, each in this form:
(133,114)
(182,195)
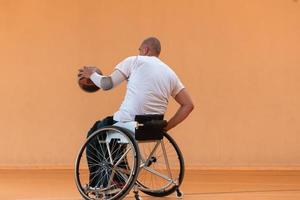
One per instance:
(120,137)
(144,128)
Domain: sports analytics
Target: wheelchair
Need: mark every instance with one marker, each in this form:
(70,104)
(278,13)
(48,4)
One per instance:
(137,156)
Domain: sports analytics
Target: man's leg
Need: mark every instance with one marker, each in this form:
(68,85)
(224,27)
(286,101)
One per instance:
(120,177)
(93,151)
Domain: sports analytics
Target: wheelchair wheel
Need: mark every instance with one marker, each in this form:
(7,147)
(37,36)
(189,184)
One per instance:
(107,164)
(162,167)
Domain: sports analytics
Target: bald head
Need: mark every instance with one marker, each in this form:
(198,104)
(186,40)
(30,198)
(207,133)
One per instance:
(150,47)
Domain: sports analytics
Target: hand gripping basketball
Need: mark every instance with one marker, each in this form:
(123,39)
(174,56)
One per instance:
(84,82)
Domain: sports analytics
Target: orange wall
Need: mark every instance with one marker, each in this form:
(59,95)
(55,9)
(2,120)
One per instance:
(239,59)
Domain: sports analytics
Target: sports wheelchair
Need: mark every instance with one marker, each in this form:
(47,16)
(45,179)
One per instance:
(136,155)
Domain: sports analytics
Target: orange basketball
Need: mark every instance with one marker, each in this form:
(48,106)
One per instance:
(87,84)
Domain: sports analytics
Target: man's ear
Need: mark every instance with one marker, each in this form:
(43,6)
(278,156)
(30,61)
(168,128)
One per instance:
(147,51)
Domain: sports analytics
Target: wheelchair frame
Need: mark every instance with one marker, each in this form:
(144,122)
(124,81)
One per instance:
(123,133)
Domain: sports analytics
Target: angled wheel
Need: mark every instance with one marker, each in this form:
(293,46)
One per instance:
(162,167)
(107,164)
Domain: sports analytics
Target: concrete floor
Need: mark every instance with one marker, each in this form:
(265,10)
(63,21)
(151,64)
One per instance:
(198,185)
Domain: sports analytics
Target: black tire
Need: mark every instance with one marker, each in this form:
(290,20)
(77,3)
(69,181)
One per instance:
(134,171)
(162,193)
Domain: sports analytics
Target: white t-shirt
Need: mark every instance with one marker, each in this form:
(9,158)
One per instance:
(150,84)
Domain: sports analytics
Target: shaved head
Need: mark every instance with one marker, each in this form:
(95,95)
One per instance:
(150,46)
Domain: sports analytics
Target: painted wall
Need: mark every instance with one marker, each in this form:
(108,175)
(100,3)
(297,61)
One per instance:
(239,59)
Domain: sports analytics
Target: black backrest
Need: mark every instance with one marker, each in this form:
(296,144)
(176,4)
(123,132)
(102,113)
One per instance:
(152,128)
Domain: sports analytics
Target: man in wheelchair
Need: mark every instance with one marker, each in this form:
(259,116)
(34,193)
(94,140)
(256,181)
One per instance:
(150,83)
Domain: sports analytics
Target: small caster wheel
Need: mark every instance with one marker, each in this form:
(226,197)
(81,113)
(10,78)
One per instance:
(137,196)
(179,194)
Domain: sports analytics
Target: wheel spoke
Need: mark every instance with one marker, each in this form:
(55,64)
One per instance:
(123,156)
(161,172)
(106,165)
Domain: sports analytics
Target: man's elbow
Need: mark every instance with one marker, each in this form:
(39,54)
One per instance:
(106,83)
(190,107)
(107,88)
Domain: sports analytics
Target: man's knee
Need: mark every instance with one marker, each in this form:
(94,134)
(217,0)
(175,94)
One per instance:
(94,128)
(108,121)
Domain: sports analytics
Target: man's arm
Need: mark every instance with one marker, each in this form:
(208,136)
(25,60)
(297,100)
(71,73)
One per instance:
(104,82)
(108,82)
(186,107)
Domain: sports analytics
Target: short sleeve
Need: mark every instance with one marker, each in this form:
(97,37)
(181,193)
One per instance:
(125,66)
(176,87)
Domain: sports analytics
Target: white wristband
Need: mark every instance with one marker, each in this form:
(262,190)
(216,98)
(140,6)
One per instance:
(96,78)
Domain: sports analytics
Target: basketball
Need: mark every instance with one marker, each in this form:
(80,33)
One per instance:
(87,84)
